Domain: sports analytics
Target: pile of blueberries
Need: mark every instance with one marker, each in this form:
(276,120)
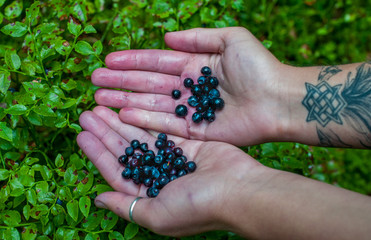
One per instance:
(205,97)
(155,171)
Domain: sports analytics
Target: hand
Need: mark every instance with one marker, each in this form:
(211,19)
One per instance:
(188,205)
(249,76)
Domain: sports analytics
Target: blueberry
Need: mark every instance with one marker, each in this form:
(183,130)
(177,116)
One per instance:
(170,156)
(161,152)
(196,90)
(160,144)
(135,144)
(170,144)
(129,151)
(136,179)
(147,159)
(167,151)
(147,170)
(126,173)
(205,103)
(214,81)
(173,172)
(155,173)
(144,147)
(182,173)
(138,156)
(178,163)
(162,136)
(197,117)
(152,192)
(163,180)
(214,93)
(200,109)
(184,158)
(134,163)
(173,177)
(166,167)
(123,159)
(148,182)
(59,202)
(188,82)
(206,89)
(191,166)
(178,151)
(176,94)
(206,71)
(209,115)
(159,159)
(193,101)
(181,111)
(218,103)
(201,80)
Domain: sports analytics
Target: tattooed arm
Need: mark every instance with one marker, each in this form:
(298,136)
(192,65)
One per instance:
(334,108)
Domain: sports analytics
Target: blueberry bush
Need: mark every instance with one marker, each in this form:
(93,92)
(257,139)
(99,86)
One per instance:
(48,50)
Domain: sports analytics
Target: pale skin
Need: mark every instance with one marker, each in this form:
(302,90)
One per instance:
(229,190)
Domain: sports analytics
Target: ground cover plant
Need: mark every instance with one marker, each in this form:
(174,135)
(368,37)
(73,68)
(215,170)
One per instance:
(48,50)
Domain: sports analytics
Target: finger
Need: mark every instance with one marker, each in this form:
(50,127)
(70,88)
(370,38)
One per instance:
(120,203)
(120,99)
(116,144)
(105,162)
(162,122)
(127,131)
(138,81)
(200,40)
(162,61)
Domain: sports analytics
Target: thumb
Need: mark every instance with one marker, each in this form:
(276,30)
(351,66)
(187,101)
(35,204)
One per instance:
(205,40)
(120,203)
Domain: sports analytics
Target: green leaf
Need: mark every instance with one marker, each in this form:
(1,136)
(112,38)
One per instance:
(267,43)
(16,29)
(35,119)
(33,11)
(238,5)
(115,236)
(17,109)
(44,110)
(14,9)
(92,236)
(84,204)
(59,160)
(11,234)
(36,88)
(73,209)
(89,29)
(26,211)
(109,221)
(29,232)
(68,84)
(140,3)
(16,187)
(131,230)
(5,132)
(12,59)
(84,48)
(79,11)
(4,174)
(93,220)
(11,217)
(170,24)
(75,65)
(76,127)
(98,47)
(74,28)
(121,42)
(28,68)
(70,176)
(65,194)
(4,81)
(62,46)
(31,196)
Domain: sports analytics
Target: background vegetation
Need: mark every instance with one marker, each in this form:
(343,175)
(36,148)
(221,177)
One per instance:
(48,50)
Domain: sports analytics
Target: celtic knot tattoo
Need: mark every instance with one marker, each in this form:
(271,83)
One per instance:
(323,103)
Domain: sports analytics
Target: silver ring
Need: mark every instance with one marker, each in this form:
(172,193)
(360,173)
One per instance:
(132,209)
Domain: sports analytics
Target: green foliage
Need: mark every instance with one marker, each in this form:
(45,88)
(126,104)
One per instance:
(48,51)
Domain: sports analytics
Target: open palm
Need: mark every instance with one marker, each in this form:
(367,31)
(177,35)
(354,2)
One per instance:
(247,72)
(192,200)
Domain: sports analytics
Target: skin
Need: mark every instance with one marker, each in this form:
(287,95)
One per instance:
(229,190)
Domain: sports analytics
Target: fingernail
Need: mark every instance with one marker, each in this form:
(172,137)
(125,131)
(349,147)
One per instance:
(100,204)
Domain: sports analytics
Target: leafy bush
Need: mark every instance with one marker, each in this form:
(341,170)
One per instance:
(49,49)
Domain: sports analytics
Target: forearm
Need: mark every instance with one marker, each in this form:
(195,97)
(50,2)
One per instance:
(329,106)
(289,206)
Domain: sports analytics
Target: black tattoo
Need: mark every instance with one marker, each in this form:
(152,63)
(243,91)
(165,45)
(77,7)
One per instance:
(350,103)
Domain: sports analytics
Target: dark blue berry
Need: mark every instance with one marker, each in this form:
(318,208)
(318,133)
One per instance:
(134,163)
(214,93)
(160,144)
(173,172)
(188,82)
(123,159)
(184,158)
(178,163)
(205,103)
(129,151)
(170,144)
(214,81)
(135,144)
(197,117)
(166,167)
(196,90)
(206,71)
(209,115)
(159,159)
(144,147)
(193,101)
(218,103)
(167,151)
(138,156)
(201,80)
(136,178)
(155,173)
(148,159)
(163,180)
(206,89)
(178,151)
(161,152)
(191,166)
(200,108)
(176,94)
(152,192)
(151,153)
(173,177)
(126,173)
(59,202)
(182,173)
(162,136)
(170,156)
(148,182)
(181,110)
(147,170)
